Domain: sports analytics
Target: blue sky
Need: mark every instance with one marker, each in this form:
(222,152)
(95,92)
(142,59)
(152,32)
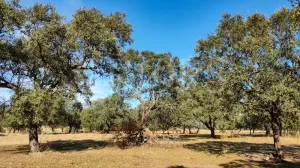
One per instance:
(165,25)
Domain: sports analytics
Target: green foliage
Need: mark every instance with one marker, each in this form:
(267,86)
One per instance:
(73,116)
(201,104)
(164,115)
(147,77)
(53,53)
(107,114)
(36,107)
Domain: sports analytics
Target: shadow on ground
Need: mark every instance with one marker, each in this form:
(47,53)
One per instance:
(187,137)
(74,145)
(257,153)
(177,166)
(61,146)
(251,163)
(224,147)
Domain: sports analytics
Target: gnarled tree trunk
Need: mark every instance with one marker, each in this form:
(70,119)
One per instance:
(276,127)
(277,144)
(33,138)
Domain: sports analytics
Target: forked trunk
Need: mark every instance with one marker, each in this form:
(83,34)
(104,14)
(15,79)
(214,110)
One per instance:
(34,138)
(211,126)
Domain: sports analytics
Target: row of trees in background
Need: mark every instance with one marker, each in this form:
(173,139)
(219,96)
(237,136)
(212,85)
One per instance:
(245,74)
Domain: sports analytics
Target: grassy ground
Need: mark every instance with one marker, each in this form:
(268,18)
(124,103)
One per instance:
(98,150)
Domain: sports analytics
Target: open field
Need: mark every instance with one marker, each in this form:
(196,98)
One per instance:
(98,150)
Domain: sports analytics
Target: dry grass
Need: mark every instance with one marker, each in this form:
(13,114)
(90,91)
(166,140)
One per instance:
(196,150)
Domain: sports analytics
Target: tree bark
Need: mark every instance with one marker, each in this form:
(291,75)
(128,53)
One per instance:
(33,138)
(211,126)
(212,132)
(276,127)
(190,131)
(277,144)
(198,130)
(183,130)
(70,130)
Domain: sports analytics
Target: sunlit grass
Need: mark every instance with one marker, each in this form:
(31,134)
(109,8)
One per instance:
(195,150)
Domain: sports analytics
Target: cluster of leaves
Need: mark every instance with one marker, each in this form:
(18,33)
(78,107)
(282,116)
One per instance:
(109,114)
(45,58)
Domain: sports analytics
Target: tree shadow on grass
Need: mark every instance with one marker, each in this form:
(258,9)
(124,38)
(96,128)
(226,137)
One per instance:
(60,146)
(12,149)
(254,151)
(251,163)
(189,137)
(224,147)
(74,145)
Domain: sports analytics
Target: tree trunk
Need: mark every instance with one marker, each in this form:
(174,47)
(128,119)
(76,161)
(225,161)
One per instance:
(183,130)
(70,130)
(211,126)
(276,127)
(277,144)
(33,138)
(198,130)
(212,132)
(190,131)
(267,128)
(280,130)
